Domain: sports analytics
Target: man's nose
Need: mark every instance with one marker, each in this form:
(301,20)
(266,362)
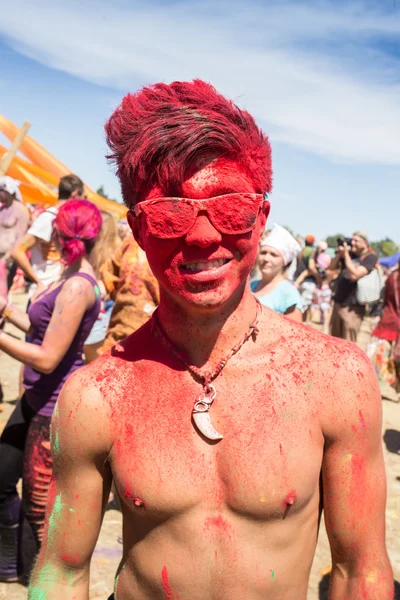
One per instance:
(203,233)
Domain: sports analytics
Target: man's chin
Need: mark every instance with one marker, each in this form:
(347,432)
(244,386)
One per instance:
(210,297)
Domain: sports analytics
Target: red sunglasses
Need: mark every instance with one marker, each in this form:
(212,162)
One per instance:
(230,214)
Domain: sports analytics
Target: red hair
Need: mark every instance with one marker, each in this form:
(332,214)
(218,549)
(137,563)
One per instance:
(78,224)
(156,134)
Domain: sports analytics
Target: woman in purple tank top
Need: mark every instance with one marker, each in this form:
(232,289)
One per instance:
(59,320)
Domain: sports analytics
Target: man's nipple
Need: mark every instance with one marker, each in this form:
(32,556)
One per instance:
(288,502)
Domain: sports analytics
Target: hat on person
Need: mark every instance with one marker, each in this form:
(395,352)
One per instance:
(362,234)
(11,186)
(283,241)
(310,238)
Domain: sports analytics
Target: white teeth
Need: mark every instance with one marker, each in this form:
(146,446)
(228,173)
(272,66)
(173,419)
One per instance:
(205,266)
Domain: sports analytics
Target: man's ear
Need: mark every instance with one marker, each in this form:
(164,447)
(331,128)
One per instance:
(265,210)
(133,223)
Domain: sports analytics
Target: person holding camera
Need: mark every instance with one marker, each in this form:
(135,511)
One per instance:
(355,260)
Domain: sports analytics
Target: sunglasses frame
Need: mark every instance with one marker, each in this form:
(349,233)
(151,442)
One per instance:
(200,205)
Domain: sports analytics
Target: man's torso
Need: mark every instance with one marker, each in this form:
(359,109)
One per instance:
(234,519)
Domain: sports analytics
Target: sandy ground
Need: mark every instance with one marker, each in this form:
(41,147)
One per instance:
(108,551)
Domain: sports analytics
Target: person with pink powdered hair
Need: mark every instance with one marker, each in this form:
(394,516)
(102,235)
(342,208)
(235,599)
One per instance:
(58,320)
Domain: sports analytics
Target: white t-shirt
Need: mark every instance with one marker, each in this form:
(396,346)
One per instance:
(45,259)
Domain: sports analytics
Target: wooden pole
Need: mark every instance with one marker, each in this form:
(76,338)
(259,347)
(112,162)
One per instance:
(7,159)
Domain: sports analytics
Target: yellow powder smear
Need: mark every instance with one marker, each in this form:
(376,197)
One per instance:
(372,577)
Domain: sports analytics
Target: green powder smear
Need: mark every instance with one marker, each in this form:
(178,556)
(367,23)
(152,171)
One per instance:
(56,445)
(36,593)
(272,574)
(47,578)
(55,515)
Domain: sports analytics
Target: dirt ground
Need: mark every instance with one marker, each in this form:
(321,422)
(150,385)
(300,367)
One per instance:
(108,551)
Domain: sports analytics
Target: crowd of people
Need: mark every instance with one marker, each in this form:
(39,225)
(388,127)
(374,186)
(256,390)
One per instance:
(91,284)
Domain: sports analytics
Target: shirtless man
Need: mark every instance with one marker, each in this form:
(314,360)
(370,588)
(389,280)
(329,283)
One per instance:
(300,413)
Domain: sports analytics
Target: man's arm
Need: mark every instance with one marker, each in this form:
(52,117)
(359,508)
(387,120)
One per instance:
(356,272)
(19,255)
(354,482)
(78,495)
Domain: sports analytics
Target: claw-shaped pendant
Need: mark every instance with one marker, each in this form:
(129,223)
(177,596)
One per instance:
(201,415)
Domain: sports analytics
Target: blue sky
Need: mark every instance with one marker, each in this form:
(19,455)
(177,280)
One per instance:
(321,78)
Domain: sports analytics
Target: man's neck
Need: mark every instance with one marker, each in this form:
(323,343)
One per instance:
(203,337)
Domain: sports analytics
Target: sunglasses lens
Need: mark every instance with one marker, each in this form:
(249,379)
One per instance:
(234,213)
(169,218)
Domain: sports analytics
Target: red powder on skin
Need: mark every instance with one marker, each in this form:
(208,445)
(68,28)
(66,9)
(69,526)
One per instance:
(280,449)
(204,242)
(218,523)
(119,347)
(72,559)
(362,420)
(165,583)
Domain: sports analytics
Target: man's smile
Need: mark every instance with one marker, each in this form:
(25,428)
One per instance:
(204,265)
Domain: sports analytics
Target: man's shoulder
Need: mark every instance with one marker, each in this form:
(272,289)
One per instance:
(43,224)
(121,367)
(370,260)
(320,348)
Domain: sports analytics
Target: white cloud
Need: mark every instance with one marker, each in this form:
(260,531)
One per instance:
(310,73)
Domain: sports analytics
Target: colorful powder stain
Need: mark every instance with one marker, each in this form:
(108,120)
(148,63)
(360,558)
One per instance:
(36,593)
(47,579)
(56,445)
(55,515)
(218,523)
(362,420)
(272,574)
(165,583)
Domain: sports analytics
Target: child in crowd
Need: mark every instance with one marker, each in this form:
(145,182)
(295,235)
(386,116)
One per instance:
(322,301)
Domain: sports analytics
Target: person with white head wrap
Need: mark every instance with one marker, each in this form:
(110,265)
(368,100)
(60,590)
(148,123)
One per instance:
(283,241)
(277,252)
(14,221)
(11,186)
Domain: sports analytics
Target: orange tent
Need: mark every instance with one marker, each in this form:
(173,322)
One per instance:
(39,176)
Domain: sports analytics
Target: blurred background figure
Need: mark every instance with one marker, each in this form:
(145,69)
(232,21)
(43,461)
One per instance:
(277,251)
(14,222)
(307,277)
(131,284)
(59,320)
(354,260)
(322,302)
(123,229)
(384,348)
(322,258)
(106,245)
(43,267)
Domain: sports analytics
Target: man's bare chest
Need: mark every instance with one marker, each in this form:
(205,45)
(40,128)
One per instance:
(269,458)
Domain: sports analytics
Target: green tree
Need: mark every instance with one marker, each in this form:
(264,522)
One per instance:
(101,192)
(331,240)
(385,247)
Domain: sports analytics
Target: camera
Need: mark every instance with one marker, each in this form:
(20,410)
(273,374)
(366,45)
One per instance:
(343,240)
